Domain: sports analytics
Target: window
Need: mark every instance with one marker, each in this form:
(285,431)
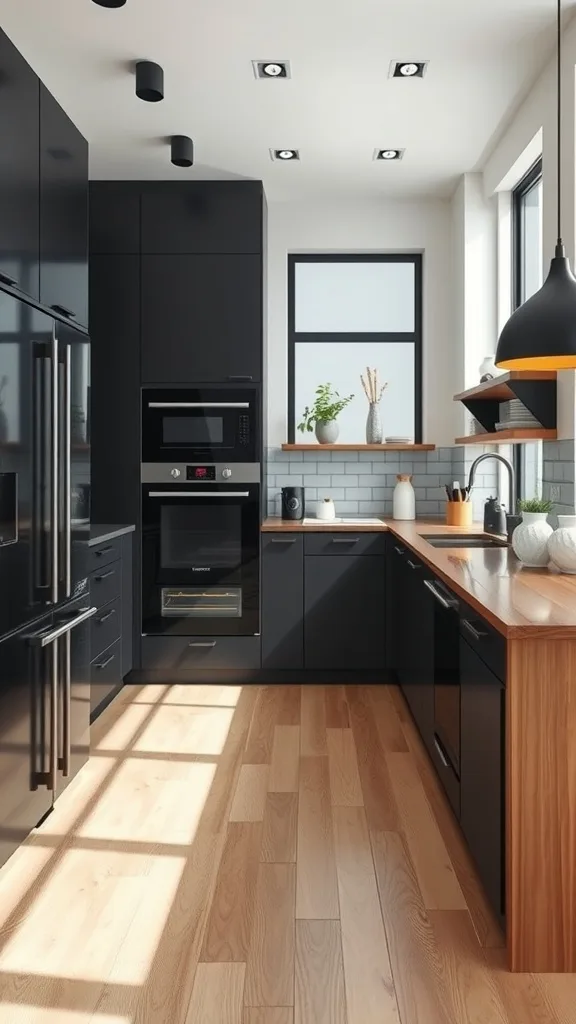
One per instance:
(527,278)
(347,312)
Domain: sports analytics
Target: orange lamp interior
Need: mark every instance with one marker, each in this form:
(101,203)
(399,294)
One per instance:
(539,363)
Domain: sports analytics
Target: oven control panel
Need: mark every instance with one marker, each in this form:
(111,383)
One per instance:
(200,473)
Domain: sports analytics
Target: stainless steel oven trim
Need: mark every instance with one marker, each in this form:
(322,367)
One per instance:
(198,405)
(198,494)
(172,472)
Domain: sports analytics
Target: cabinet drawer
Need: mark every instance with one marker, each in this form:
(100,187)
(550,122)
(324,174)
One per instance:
(105,628)
(344,543)
(105,583)
(102,554)
(488,643)
(105,674)
(202,653)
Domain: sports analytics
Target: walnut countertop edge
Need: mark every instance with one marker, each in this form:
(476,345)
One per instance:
(520,603)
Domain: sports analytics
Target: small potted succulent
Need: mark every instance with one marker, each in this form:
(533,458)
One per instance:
(322,416)
(530,538)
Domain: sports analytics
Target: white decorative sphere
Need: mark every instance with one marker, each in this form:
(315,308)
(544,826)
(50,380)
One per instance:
(562,545)
(530,540)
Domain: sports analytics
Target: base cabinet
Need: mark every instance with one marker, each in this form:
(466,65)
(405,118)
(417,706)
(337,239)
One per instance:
(111,626)
(283,601)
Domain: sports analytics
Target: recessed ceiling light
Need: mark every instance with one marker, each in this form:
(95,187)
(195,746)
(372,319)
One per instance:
(271,68)
(388,154)
(407,68)
(149,81)
(181,151)
(285,154)
(110,3)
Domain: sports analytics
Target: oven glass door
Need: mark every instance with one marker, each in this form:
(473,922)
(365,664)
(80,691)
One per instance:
(200,559)
(199,425)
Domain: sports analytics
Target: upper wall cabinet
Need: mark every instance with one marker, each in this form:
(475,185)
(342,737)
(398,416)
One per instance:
(19,185)
(201,318)
(63,212)
(202,217)
(114,217)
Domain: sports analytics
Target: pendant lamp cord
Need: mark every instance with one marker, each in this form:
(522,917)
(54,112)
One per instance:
(559,114)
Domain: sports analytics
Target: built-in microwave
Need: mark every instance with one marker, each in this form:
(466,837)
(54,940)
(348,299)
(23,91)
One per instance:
(200,425)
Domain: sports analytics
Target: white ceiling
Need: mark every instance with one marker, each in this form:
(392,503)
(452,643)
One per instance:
(338,107)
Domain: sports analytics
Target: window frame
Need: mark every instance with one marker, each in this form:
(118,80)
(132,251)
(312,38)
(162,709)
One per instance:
(342,337)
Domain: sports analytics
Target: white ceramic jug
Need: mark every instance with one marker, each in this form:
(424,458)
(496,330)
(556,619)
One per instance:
(404,501)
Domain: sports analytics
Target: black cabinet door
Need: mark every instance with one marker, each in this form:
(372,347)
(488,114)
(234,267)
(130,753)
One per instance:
(395,611)
(344,602)
(63,212)
(127,604)
(282,601)
(481,770)
(19,170)
(202,217)
(416,633)
(201,318)
(114,217)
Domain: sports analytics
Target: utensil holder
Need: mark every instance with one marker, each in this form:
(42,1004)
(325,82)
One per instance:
(459,513)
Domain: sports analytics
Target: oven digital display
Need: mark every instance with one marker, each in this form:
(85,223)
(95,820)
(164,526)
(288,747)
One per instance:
(200,472)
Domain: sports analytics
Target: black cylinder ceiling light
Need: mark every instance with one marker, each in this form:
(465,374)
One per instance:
(149,81)
(181,151)
(541,334)
(110,3)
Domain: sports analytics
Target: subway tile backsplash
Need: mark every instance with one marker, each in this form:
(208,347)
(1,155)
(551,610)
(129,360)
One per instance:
(558,476)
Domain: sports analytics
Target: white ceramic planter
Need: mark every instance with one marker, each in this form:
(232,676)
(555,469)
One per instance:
(562,545)
(530,539)
(327,431)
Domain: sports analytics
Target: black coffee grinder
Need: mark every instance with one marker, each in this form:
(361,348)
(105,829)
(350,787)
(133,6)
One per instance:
(293,503)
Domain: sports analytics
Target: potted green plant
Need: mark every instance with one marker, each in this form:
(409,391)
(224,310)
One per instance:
(530,538)
(322,416)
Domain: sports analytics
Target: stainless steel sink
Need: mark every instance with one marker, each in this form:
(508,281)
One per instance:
(462,540)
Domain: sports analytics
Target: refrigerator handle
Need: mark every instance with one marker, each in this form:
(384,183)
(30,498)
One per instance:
(54,474)
(64,760)
(67,472)
(47,777)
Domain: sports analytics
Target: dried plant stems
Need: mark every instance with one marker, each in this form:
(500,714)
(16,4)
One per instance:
(370,385)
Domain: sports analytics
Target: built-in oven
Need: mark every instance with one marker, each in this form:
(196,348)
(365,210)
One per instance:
(200,425)
(200,551)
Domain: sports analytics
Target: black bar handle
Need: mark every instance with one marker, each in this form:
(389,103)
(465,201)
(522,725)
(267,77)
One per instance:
(108,615)
(63,310)
(240,376)
(103,664)
(6,279)
(477,634)
(413,565)
(345,540)
(105,575)
(104,551)
(283,540)
(203,643)
(399,551)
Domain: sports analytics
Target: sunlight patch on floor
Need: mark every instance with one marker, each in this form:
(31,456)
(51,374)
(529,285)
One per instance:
(10,1013)
(122,732)
(186,730)
(26,863)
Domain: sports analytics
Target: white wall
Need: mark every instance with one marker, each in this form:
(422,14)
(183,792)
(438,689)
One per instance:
(387,226)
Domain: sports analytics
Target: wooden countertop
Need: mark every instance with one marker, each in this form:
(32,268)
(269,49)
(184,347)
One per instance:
(519,602)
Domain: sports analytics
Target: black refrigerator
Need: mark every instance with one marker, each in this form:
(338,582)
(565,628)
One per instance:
(45,606)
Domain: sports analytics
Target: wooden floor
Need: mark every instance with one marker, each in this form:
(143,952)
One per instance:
(257,855)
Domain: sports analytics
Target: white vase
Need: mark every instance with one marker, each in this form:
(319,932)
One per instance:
(530,539)
(325,509)
(404,501)
(562,545)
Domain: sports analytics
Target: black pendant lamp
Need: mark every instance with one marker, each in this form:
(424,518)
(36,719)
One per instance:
(541,334)
(149,81)
(181,151)
(112,4)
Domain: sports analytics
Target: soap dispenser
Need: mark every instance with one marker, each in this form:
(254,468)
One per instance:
(494,516)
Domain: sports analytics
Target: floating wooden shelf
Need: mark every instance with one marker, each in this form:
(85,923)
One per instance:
(358,447)
(509,436)
(501,389)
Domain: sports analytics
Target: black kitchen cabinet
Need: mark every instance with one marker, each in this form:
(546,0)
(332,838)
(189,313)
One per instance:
(396,556)
(410,629)
(202,217)
(283,601)
(19,171)
(344,612)
(201,318)
(111,627)
(63,212)
(127,604)
(482,769)
(115,217)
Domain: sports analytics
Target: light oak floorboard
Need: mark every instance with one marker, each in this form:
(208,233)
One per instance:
(285,761)
(316,882)
(370,995)
(280,833)
(230,921)
(418,980)
(345,787)
(320,996)
(387,720)
(217,994)
(289,705)
(381,810)
(337,716)
(436,877)
(270,966)
(470,984)
(250,796)
(261,735)
(313,727)
(268,1015)
(526,998)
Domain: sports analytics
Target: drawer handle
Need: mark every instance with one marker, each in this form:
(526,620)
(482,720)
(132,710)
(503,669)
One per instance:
(103,664)
(283,540)
(203,643)
(63,310)
(104,551)
(446,602)
(399,551)
(441,754)
(475,633)
(105,575)
(240,376)
(413,565)
(345,540)
(6,279)
(108,615)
